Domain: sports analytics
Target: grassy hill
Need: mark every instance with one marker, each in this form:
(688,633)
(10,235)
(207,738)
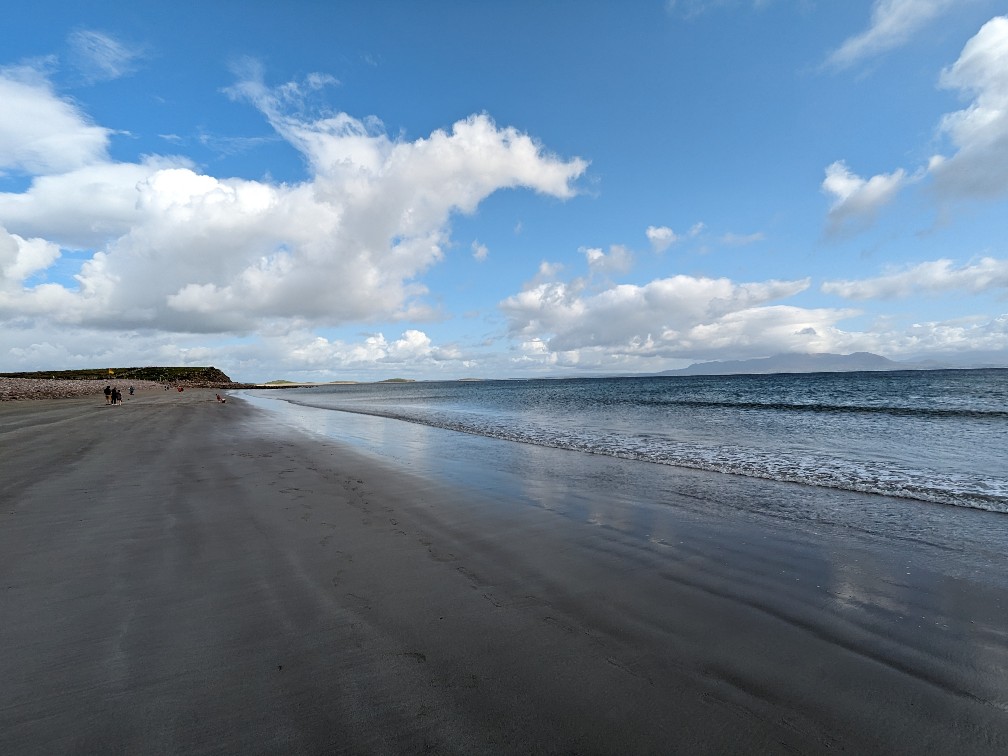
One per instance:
(195,376)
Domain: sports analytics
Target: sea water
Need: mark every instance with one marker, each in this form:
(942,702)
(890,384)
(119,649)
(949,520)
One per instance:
(939,437)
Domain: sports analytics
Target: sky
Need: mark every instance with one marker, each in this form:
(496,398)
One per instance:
(319,191)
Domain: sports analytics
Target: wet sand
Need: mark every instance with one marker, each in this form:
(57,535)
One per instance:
(182,576)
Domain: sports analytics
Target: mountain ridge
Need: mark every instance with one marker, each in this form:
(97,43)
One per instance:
(798,362)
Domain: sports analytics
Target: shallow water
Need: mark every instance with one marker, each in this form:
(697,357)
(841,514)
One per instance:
(630,495)
(935,436)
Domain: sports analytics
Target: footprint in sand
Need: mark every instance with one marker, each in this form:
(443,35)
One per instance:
(470,575)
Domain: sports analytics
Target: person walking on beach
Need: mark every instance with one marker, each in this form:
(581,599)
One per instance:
(108,395)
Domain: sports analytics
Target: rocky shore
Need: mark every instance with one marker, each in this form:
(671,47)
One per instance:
(56,388)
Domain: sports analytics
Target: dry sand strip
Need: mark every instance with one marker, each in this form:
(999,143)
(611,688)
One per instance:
(15,389)
(178,576)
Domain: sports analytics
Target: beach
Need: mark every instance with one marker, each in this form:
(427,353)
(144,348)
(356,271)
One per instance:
(20,389)
(179,575)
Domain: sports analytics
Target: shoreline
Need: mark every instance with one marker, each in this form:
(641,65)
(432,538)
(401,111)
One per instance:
(182,574)
(961,538)
(24,389)
(33,389)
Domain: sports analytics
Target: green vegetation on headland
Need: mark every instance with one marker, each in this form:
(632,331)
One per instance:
(193,376)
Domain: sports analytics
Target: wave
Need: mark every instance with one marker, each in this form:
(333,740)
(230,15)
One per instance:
(809,469)
(921,412)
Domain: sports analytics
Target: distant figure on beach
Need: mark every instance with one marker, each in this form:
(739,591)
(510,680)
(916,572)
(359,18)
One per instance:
(108,395)
(116,396)
(131,390)
(221,399)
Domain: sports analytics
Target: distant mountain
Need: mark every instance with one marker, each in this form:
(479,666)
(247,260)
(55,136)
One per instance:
(796,363)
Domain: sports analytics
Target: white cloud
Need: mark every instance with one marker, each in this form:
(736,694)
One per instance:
(893,23)
(933,276)
(176,250)
(100,57)
(677,316)
(83,208)
(41,133)
(619,259)
(857,200)
(21,258)
(284,352)
(965,336)
(684,318)
(661,237)
(979,168)
(480,251)
(475,159)
(414,349)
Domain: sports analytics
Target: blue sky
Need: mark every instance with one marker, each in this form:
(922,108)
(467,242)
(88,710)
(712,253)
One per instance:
(363,190)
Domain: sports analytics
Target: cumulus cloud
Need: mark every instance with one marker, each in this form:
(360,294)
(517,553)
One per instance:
(979,167)
(276,353)
(633,327)
(41,133)
(927,277)
(856,200)
(893,23)
(476,156)
(21,258)
(86,207)
(412,348)
(619,259)
(480,252)
(680,316)
(661,237)
(174,249)
(978,335)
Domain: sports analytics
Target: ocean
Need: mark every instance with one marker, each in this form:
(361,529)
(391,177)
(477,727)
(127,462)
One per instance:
(908,456)
(932,436)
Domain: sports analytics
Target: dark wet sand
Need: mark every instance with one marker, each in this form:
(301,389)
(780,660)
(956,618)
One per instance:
(179,576)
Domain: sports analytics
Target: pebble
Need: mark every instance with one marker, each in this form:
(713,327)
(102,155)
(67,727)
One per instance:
(56,388)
